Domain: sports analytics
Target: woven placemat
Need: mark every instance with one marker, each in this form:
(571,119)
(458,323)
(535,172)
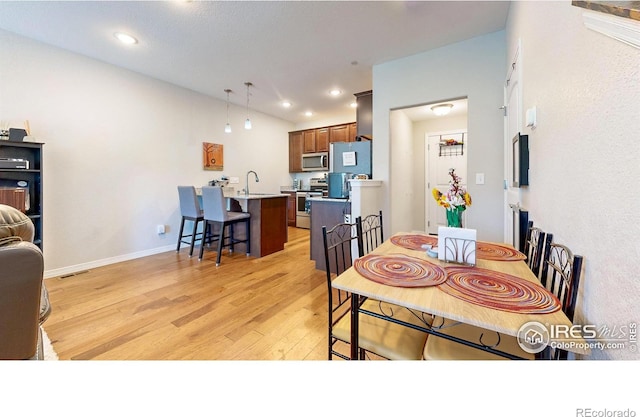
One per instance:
(498,290)
(399,270)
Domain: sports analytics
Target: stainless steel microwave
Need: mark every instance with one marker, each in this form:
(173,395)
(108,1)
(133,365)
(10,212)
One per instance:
(318,161)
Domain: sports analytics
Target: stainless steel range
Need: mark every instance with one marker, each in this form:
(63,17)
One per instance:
(317,188)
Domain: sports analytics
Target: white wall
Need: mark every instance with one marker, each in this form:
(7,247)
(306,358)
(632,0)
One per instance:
(117,144)
(584,153)
(475,69)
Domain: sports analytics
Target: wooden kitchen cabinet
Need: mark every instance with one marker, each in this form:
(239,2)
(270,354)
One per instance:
(291,208)
(317,140)
(295,151)
(309,141)
(322,139)
(342,133)
(353,132)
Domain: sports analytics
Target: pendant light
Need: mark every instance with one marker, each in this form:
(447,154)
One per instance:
(227,127)
(247,123)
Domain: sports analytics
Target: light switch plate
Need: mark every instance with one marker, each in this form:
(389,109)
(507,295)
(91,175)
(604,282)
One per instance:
(531,116)
(234,180)
(480,178)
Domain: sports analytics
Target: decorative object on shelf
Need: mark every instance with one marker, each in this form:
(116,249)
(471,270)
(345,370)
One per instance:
(4,130)
(212,156)
(451,147)
(247,123)
(227,127)
(455,200)
(442,109)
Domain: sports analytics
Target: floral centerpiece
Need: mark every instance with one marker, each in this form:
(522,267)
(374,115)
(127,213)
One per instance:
(455,200)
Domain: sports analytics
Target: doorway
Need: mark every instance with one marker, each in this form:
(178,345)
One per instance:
(444,151)
(410,128)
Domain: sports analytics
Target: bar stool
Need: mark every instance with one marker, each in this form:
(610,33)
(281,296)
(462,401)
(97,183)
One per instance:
(216,213)
(190,210)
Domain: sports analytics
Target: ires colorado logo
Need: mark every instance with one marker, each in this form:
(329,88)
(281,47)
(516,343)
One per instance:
(534,337)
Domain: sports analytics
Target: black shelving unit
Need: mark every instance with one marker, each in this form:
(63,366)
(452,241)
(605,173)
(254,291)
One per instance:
(30,178)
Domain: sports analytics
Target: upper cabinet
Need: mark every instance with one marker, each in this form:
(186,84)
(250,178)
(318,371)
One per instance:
(364,113)
(295,151)
(342,133)
(322,139)
(309,141)
(317,140)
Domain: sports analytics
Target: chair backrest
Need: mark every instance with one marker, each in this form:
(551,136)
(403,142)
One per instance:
(561,271)
(21,273)
(338,258)
(213,203)
(534,245)
(189,204)
(369,231)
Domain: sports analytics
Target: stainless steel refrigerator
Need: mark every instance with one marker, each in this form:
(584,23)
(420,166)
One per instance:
(351,157)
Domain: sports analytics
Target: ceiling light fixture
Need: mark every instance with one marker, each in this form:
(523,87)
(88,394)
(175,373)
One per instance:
(124,38)
(286,104)
(335,92)
(353,105)
(442,109)
(308,113)
(227,127)
(247,123)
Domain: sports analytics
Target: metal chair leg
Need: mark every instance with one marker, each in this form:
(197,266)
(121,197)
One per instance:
(220,242)
(204,227)
(180,234)
(248,235)
(193,236)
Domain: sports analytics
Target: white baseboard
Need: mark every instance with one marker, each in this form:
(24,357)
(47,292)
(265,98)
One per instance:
(74,269)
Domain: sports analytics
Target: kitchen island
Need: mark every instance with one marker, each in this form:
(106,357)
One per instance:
(269,230)
(325,212)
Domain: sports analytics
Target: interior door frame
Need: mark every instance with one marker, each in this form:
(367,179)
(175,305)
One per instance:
(512,195)
(427,178)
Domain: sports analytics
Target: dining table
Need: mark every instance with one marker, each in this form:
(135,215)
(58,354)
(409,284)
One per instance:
(499,293)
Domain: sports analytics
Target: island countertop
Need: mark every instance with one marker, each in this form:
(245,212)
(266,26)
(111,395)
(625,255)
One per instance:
(255,196)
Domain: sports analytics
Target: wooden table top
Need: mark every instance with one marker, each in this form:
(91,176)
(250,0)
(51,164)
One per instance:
(434,301)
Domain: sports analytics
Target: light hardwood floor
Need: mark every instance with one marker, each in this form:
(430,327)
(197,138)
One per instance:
(170,306)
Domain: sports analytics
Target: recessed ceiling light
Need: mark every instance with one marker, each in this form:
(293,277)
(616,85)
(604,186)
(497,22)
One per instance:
(353,104)
(124,38)
(286,104)
(335,92)
(308,113)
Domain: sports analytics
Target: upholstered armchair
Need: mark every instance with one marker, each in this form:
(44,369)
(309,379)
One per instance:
(24,302)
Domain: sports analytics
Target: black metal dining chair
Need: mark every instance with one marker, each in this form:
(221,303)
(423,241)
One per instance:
(370,234)
(561,271)
(560,274)
(534,247)
(380,337)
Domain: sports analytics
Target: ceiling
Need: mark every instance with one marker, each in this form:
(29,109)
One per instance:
(289,50)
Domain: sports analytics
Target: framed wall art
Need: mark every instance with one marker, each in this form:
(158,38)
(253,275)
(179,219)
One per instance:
(212,156)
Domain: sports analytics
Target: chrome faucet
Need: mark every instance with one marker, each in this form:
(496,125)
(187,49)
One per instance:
(246,190)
